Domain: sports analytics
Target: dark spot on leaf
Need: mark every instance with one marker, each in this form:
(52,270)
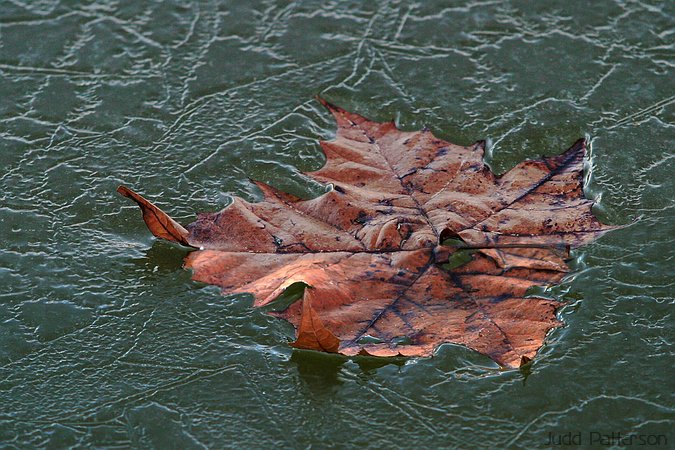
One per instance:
(362,218)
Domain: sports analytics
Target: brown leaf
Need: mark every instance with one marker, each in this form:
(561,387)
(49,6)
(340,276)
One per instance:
(159,222)
(370,250)
(312,334)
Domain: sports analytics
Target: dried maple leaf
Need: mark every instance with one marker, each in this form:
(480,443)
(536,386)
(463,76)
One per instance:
(370,250)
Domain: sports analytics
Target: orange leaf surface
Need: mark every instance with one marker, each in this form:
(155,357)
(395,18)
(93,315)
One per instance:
(371,249)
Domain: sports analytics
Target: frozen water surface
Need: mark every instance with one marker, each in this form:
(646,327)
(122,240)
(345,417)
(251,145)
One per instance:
(104,340)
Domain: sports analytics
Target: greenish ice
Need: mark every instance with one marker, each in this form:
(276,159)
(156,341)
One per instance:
(105,342)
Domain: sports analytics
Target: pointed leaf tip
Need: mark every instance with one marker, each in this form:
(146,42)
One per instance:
(579,146)
(312,334)
(158,222)
(328,105)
